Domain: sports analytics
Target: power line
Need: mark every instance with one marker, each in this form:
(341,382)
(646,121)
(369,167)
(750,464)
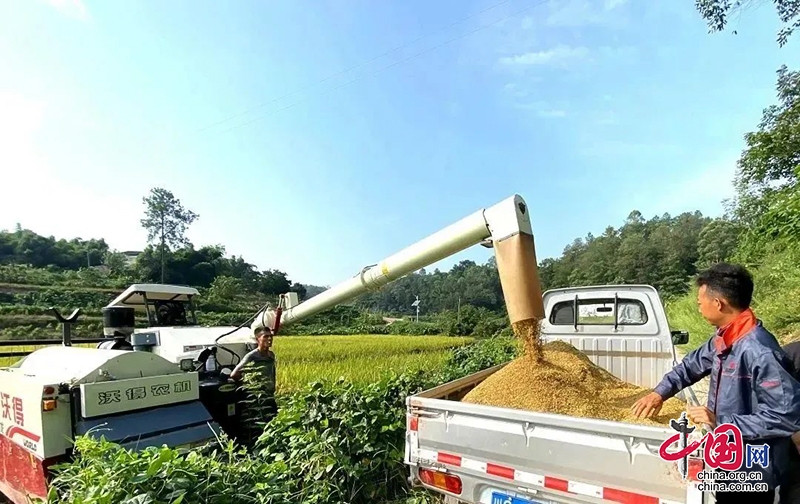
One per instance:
(390,51)
(413,56)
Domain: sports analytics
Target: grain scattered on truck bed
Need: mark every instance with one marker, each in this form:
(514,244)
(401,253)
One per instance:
(558,378)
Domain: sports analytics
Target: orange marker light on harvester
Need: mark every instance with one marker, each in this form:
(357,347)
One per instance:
(48,404)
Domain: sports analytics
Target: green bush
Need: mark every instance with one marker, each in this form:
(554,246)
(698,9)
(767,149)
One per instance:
(482,354)
(84,299)
(85,277)
(410,327)
(471,321)
(488,327)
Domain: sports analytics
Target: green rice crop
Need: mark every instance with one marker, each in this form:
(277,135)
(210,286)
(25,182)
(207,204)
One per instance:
(360,359)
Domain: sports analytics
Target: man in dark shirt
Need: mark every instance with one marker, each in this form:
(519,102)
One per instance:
(262,357)
(257,400)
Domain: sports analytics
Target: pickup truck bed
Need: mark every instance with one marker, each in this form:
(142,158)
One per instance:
(481,454)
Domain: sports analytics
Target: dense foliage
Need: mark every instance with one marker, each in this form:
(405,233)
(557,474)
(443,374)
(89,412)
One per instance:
(717,12)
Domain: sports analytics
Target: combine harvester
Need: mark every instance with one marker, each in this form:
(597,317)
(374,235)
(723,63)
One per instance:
(169,383)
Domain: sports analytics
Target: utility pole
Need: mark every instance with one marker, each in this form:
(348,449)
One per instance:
(416,305)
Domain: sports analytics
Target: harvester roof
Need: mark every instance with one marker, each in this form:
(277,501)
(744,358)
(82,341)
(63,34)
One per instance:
(134,296)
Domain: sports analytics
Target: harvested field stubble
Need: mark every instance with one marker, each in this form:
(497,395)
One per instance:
(558,378)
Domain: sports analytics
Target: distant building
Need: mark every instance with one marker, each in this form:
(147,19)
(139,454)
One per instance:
(131,255)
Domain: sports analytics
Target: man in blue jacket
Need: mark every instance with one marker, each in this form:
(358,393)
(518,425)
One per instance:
(751,379)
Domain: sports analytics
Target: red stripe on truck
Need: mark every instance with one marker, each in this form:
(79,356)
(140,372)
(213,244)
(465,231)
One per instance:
(550,482)
(628,497)
(500,471)
(556,483)
(446,458)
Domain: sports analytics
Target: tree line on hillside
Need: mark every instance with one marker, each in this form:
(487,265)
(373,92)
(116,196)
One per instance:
(663,251)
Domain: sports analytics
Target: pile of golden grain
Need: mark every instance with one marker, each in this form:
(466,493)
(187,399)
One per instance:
(557,378)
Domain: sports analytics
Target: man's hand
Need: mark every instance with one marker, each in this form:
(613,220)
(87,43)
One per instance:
(648,405)
(700,415)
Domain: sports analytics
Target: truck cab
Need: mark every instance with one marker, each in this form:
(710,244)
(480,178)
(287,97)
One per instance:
(621,328)
(472,453)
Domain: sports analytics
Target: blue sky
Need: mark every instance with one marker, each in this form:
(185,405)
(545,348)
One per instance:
(588,109)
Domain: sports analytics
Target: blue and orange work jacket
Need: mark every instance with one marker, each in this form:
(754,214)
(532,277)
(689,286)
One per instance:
(752,386)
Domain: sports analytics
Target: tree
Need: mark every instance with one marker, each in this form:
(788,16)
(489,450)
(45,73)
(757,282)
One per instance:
(717,242)
(225,288)
(274,282)
(717,12)
(166,221)
(300,289)
(116,261)
(768,174)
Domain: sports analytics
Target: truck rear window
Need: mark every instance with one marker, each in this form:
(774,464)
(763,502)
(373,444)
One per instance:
(599,311)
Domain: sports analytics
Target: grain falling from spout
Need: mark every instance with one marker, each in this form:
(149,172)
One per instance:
(553,377)
(528,332)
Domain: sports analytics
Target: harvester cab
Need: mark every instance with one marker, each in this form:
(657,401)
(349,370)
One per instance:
(171,331)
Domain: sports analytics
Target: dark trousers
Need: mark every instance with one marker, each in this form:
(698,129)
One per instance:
(790,490)
(746,497)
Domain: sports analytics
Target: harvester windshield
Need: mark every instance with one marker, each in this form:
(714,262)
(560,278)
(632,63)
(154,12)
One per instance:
(165,305)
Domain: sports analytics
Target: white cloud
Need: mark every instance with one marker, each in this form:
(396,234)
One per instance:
(72,8)
(578,13)
(613,4)
(558,55)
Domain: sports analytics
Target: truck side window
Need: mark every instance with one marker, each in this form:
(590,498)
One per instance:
(600,311)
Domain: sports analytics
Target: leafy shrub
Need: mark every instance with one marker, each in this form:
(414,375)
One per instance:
(471,321)
(480,355)
(84,299)
(26,275)
(490,326)
(410,327)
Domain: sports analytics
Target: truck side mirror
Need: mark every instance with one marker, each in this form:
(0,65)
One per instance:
(680,337)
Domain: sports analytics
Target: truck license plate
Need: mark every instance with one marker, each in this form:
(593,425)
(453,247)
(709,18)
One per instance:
(501,498)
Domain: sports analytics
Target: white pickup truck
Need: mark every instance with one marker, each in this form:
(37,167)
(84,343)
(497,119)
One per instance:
(473,453)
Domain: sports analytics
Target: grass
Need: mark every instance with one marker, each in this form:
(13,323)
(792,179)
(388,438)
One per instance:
(683,315)
(360,359)
(776,302)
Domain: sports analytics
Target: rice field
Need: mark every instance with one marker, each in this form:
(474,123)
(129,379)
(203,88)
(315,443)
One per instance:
(360,358)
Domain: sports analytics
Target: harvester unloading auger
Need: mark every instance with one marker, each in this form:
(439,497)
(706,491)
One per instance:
(157,385)
(505,226)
